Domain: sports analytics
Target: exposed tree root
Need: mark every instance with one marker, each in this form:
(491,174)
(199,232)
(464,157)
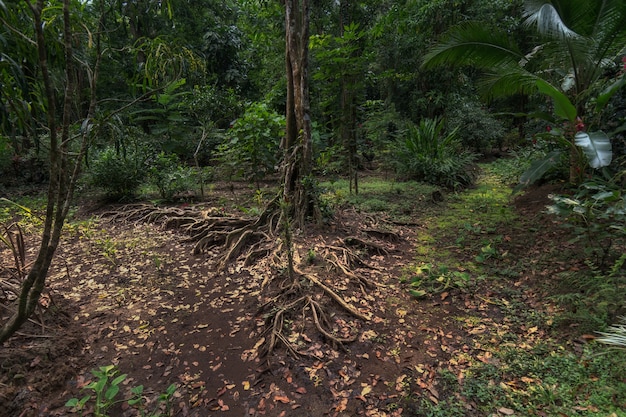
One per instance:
(252,241)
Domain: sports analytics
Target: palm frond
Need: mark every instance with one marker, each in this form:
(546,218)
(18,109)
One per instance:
(615,336)
(547,19)
(504,83)
(474,44)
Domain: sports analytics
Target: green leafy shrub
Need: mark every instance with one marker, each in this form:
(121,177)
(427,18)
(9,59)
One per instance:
(105,388)
(597,212)
(426,154)
(253,148)
(478,129)
(119,173)
(168,176)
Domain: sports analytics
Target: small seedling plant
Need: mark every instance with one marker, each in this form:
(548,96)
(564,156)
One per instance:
(104,389)
(430,279)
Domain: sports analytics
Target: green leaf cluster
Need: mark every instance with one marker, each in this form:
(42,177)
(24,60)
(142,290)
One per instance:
(105,388)
(252,147)
(426,153)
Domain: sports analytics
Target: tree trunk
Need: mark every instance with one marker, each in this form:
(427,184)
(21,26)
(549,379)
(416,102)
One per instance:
(63,174)
(298,192)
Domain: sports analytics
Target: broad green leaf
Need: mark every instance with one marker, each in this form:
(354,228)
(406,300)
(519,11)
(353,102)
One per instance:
(596,146)
(417,293)
(72,402)
(138,390)
(119,379)
(563,107)
(537,170)
(111,392)
(606,95)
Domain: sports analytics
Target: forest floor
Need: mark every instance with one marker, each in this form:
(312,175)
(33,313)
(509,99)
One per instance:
(455,281)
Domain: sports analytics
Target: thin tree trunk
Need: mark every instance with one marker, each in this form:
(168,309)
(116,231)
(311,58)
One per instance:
(63,175)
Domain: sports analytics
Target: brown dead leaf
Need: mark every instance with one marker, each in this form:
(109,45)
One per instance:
(223,407)
(282,399)
(433,391)
(343,404)
(506,411)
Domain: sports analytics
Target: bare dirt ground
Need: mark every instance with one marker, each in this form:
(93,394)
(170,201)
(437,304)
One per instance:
(134,295)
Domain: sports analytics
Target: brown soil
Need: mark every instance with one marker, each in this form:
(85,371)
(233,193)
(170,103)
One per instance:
(135,296)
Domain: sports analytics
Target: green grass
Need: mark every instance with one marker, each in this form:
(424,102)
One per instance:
(379,195)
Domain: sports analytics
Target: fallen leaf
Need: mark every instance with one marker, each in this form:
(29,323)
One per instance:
(281,398)
(366,390)
(506,411)
(343,404)
(246,385)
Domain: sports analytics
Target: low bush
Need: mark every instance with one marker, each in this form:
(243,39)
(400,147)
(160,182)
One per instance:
(119,173)
(426,153)
(478,129)
(168,176)
(252,148)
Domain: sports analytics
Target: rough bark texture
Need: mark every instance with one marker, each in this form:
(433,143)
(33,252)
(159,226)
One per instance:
(298,190)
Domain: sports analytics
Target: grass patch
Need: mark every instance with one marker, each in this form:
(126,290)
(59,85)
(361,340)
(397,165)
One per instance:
(380,195)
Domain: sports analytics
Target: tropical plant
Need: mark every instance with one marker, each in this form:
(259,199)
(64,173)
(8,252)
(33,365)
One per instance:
(597,212)
(426,153)
(578,42)
(119,172)
(106,387)
(615,335)
(252,148)
(169,176)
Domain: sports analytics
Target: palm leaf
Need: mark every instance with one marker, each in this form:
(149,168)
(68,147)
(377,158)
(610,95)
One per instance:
(606,95)
(474,44)
(616,335)
(537,170)
(597,148)
(547,19)
(563,107)
(508,82)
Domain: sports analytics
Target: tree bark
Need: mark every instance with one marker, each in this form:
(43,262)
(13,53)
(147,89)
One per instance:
(298,184)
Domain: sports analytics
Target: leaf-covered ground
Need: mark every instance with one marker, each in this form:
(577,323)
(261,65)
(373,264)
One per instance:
(459,285)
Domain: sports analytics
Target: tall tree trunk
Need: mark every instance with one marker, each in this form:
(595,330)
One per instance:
(298,191)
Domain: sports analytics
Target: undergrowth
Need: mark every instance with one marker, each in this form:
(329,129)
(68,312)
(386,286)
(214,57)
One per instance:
(526,366)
